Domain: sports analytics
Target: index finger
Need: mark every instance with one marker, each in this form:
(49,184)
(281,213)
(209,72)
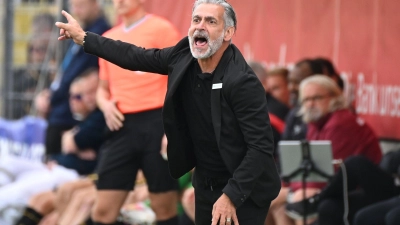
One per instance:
(67,15)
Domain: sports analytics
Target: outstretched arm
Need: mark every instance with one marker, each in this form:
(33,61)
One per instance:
(125,55)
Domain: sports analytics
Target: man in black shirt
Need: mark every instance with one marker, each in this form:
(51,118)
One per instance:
(195,98)
(215,113)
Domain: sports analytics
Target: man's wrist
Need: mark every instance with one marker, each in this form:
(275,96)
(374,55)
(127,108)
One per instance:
(84,39)
(101,103)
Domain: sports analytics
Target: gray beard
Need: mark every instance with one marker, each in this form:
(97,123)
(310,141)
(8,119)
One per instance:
(213,47)
(312,115)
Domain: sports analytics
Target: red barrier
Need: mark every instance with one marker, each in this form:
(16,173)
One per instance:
(360,36)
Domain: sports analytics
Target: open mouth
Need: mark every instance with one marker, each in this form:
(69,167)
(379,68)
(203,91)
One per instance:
(200,41)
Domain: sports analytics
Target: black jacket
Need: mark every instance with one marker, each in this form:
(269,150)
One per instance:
(238,109)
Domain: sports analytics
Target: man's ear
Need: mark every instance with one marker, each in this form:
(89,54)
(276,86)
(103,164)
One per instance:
(229,33)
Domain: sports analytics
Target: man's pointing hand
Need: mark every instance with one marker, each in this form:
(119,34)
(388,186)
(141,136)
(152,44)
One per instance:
(71,30)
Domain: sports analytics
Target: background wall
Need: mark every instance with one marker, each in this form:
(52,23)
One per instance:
(360,36)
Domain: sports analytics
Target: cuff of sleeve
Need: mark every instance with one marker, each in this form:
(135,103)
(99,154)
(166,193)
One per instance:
(84,39)
(89,40)
(236,198)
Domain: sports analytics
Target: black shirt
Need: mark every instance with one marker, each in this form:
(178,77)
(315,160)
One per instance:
(196,101)
(295,128)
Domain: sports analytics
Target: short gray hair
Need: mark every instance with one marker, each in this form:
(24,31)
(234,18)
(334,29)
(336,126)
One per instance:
(229,15)
(338,101)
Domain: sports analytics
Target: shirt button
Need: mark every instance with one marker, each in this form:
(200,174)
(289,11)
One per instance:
(198,85)
(242,199)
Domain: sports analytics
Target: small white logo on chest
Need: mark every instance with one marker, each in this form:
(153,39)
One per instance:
(217,86)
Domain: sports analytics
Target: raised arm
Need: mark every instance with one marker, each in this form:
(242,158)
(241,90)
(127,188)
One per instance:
(125,55)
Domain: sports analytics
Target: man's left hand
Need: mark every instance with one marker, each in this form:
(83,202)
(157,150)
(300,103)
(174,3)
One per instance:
(224,211)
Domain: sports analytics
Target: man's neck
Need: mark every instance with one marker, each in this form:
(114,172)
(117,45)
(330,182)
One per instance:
(209,64)
(133,18)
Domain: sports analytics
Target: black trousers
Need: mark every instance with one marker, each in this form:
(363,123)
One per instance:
(385,212)
(248,213)
(367,184)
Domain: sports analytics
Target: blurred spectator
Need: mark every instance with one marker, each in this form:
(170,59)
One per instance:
(385,212)
(40,65)
(81,144)
(23,138)
(38,1)
(323,109)
(295,129)
(260,71)
(277,110)
(72,202)
(60,119)
(43,24)
(366,184)
(303,69)
(277,85)
(330,70)
(27,179)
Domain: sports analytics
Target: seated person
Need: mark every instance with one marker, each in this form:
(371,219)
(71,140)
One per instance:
(39,70)
(323,110)
(27,179)
(81,144)
(295,128)
(277,85)
(388,211)
(367,184)
(72,203)
(330,70)
(277,94)
(385,212)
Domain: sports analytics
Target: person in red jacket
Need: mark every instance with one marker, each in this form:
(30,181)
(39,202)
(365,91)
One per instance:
(324,110)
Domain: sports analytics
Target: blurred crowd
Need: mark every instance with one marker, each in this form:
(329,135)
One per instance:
(50,175)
